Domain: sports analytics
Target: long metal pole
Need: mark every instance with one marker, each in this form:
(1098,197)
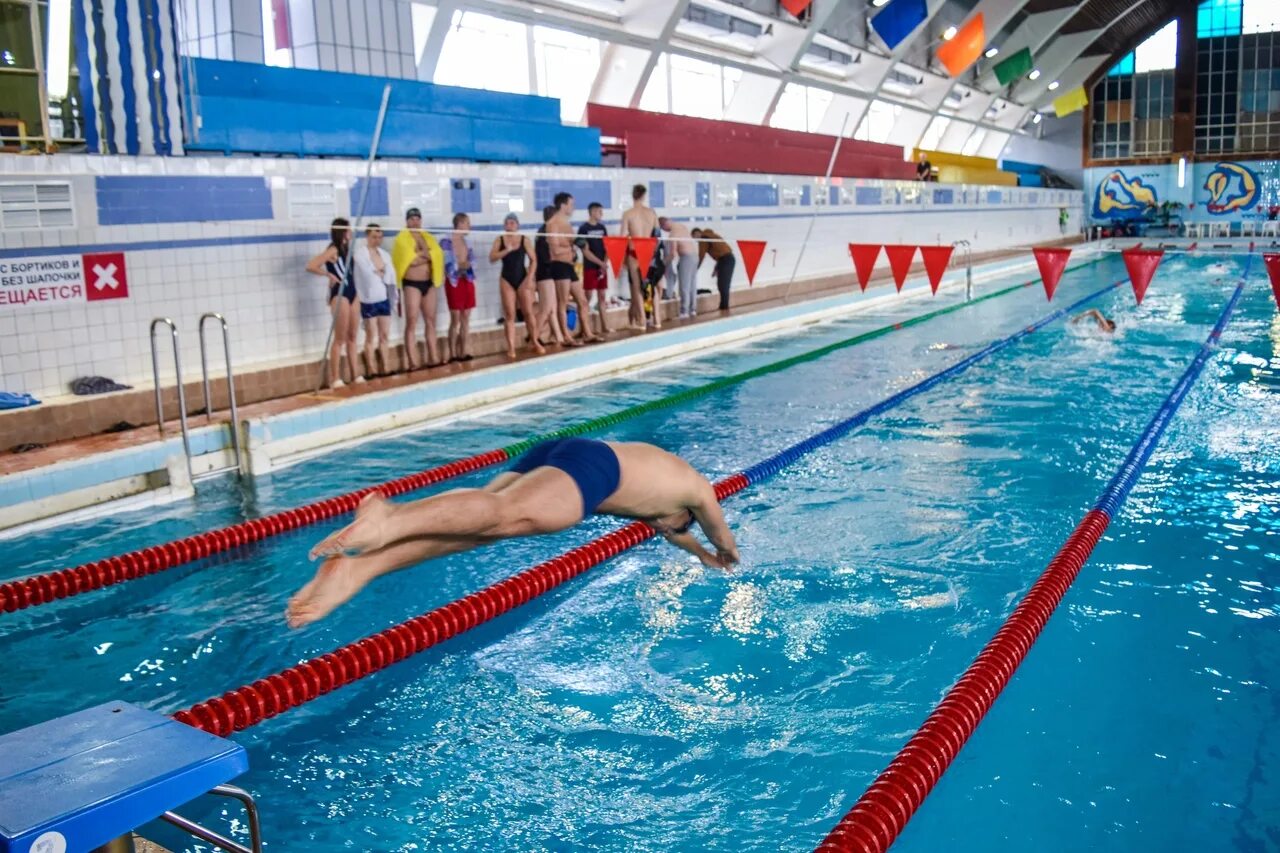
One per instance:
(826,183)
(351,242)
(37,51)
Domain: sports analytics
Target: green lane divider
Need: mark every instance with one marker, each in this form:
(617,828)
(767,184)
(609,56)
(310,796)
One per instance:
(514,450)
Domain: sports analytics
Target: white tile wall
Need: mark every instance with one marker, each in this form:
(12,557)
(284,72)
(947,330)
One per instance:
(277,311)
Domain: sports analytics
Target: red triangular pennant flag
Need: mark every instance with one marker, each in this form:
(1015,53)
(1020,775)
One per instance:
(935,260)
(1273,270)
(795,7)
(1051,262)
(900,258)
(616,249)
(864,260)
(1192,247)
(644,248)
(752,251)
(1141,264)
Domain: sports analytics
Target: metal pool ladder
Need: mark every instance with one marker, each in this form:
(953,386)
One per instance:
(238,467)
(968,268)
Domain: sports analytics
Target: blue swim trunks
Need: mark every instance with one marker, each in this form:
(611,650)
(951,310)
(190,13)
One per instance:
(369,310)
(591,464)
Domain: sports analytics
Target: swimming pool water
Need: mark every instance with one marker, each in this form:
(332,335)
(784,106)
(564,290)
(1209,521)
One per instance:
(656,705)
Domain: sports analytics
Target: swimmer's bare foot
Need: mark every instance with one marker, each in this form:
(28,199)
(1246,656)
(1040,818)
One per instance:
(336,581)
(539,349)
(367,533)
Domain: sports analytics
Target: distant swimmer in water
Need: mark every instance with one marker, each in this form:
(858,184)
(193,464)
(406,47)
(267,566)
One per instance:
(551,488)
(1104,324)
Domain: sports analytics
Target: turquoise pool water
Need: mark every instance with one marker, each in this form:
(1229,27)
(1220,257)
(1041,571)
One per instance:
(656,705)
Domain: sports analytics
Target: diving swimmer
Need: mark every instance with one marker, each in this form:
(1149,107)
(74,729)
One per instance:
(551,488)
(1104,324)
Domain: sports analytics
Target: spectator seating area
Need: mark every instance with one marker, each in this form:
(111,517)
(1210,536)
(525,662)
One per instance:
(959,169)
(664,141)
(1029,174)
(320,113)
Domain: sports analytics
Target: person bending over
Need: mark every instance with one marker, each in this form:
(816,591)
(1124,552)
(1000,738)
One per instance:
(1104,324)
(551,488)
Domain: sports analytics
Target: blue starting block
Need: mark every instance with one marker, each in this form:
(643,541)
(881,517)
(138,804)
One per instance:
(84,780)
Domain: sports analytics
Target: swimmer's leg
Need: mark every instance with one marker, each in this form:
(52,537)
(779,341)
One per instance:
(544,500)
(340,578)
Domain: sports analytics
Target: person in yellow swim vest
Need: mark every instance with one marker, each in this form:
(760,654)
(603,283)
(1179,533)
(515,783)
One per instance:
(419,263)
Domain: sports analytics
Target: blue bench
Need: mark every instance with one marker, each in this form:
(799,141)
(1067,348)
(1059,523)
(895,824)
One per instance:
(80,781)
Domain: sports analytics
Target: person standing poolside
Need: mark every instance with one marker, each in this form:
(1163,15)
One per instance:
(375,279)
(344,306)
(595,264)
(551,488)
(560,241)
(640,221)
(460,287)
(516,282)
(924,169)
(419,265)
(546,285)
(684,255)
(711,243)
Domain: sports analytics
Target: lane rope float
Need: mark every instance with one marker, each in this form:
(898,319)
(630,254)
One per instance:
(44,588)
(882,812)
(268,697)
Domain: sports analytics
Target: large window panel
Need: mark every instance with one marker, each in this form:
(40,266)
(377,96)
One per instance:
(800,108)
(877,124)
(566,65)
(484,52)
(699,88)
(1159,52)
(657,92)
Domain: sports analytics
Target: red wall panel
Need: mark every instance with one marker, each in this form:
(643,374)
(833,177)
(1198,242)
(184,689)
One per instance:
(661,140)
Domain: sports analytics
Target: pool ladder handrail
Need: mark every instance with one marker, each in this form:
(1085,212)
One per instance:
(968,268)
(238,467)
(231,389)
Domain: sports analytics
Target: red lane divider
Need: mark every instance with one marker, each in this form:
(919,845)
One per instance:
(267,697)
(878,817)
(41,589)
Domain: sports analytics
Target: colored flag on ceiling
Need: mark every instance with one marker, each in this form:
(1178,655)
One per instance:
(795,7)
(1009,70)
(1074,100)
(898,19)
(965,47)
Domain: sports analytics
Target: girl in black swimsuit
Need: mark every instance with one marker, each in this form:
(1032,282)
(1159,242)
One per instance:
(332,263)
(515,251)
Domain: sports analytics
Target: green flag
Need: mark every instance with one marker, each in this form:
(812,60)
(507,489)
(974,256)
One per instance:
(1014,67)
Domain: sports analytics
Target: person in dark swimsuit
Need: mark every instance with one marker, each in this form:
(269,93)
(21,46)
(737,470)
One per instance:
(551,488)
(333,264)
(515,251)
(548,305)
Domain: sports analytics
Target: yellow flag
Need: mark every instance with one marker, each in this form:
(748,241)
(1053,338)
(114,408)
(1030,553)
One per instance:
(1074,100)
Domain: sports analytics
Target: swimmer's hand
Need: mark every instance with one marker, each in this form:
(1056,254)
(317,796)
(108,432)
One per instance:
(725,560)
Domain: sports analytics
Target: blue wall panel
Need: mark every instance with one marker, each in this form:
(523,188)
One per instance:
(806,195)
(466,195)
(583,192)
(657,194)
(757,195)
(703,192)
(868,195)
(995,196)
(941,196)
(149,199)
(833,197)
(376,202)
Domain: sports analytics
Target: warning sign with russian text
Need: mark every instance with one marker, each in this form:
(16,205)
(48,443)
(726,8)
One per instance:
(62,280)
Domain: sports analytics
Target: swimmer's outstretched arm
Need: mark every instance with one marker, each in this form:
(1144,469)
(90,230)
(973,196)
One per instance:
(710,517)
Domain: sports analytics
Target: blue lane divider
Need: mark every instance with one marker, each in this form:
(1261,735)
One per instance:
(1125,479)
(768,467)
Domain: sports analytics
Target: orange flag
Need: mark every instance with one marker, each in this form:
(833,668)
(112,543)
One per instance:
(965,47)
